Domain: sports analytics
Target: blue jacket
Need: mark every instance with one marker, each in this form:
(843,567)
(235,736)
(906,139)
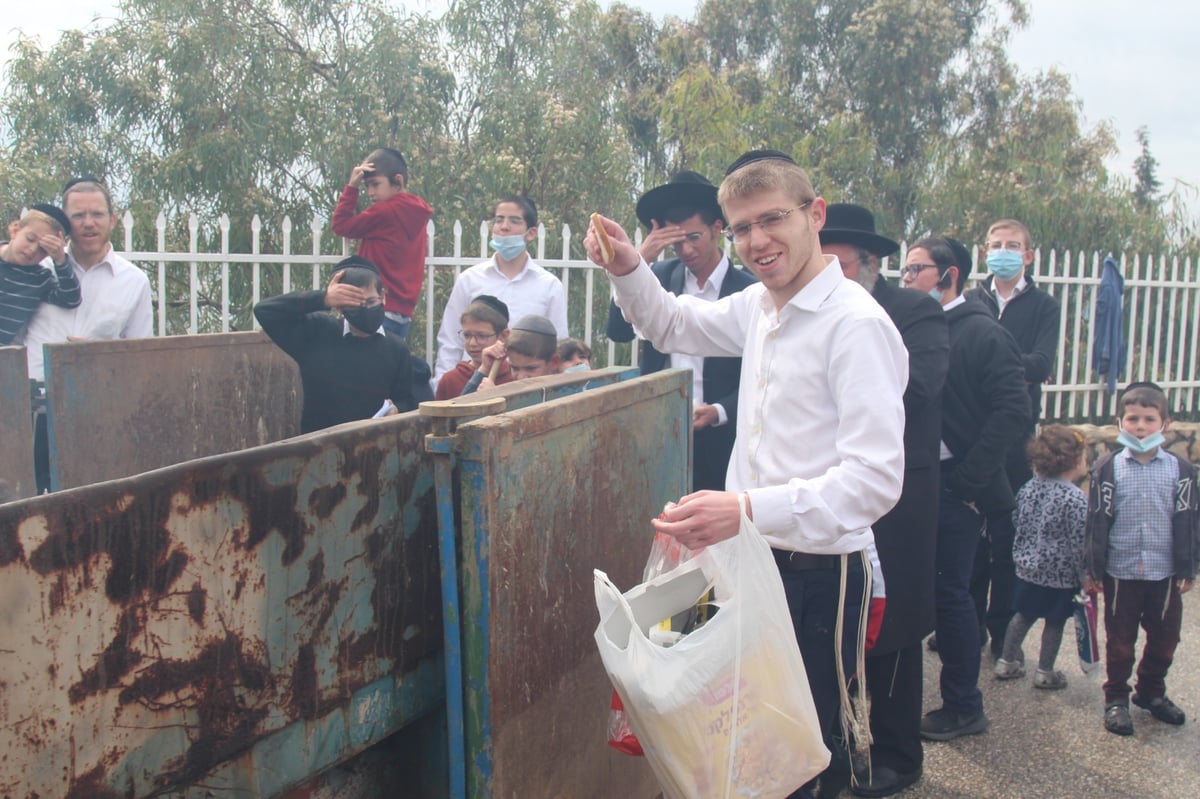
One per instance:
(1108,329)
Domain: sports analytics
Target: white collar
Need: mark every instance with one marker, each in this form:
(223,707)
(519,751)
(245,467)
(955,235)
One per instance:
(346,330)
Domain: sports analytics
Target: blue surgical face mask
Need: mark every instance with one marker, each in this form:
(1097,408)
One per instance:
(1141,445)
(936,293)
(1005,264)
(508,247)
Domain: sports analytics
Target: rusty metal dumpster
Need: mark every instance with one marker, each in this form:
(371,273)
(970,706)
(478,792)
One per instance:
(546,493)
(238,622)
(234,625)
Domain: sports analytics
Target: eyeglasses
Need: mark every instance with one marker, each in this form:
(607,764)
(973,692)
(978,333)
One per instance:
(692,238)
(1014,246)
(766,222)
(480,338)
(912,270)
(514,221)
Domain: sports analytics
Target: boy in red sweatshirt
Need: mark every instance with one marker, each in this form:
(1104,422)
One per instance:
(390,231)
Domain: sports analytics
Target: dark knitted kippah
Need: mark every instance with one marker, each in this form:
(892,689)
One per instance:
(536,324)
(55,213)
(81,179)
(757,155)
(358,262)
(495,303)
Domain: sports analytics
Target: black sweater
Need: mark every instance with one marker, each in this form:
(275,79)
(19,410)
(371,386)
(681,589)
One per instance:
(1032,317)
(984,406)
(345,377)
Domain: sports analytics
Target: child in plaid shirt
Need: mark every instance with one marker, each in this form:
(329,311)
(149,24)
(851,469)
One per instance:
(1140,548)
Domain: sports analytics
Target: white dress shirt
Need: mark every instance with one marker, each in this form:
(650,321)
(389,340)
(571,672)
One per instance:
(532,291)
(820,425)
(710,293)
(1021,285)
(116,304)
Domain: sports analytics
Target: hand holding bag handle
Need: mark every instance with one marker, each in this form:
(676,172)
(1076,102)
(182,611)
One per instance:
(727,710)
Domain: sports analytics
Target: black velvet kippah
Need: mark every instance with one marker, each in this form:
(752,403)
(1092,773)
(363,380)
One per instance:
(757,155)
(962,256)
(358,262)
(495,303)
(55,213)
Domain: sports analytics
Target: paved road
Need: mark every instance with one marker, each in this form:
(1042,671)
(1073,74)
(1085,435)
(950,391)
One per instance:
(1053,745)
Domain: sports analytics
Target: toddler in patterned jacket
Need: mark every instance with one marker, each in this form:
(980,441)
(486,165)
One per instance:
(1047,551)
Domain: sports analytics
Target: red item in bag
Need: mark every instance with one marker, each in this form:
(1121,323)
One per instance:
(620,737)
(665,554)
(875,621)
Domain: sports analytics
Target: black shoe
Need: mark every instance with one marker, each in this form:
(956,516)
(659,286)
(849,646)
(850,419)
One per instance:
(946,725)
(931,643)
(1116,719)
(884,781)
(1161,708)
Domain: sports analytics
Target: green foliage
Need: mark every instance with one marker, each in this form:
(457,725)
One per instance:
(242,107)
(1145,172)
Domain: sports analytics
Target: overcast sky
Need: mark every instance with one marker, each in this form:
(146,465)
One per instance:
(1131,64)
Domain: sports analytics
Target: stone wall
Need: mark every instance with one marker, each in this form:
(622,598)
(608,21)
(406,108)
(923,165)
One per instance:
(1183,438)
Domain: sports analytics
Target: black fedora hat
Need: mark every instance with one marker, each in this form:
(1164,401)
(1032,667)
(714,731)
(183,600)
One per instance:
(685,188)
(846,223)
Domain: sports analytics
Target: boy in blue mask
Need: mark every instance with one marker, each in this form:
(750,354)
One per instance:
(1032,316)
(511,276)
(1140,548)
(348,366)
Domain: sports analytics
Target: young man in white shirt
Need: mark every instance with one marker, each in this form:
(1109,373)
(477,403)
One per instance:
(116,294)
(511,275)
(819,451)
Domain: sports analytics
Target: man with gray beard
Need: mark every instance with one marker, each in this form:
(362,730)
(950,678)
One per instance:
(907,535)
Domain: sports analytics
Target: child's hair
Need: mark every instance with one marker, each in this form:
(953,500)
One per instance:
(359,272)
(1148,395)
(489,310)
(528,209)
(1056,450)
(389,163)
(1012,224)
(571,348)
(534,337)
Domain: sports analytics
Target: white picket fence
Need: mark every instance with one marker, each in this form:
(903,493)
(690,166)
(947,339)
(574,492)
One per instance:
(1162,301)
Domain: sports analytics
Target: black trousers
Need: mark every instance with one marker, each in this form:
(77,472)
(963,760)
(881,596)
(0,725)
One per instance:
(895,681)
(994,576)
(813,604)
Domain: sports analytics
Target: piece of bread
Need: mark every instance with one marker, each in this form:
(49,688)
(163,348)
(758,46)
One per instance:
(607,252)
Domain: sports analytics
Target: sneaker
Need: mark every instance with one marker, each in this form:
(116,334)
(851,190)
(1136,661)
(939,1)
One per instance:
(1049,680)
(1117,720)
(1161,708)
(946,725)
(1008,669)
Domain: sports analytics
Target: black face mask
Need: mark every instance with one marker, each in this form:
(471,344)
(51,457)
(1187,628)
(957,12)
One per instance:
(365,320)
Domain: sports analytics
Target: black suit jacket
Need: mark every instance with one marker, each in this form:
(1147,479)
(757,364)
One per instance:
(906,538)
(712,445)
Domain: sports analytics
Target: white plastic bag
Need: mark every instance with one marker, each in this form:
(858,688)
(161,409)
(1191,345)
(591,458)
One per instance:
(726,711)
